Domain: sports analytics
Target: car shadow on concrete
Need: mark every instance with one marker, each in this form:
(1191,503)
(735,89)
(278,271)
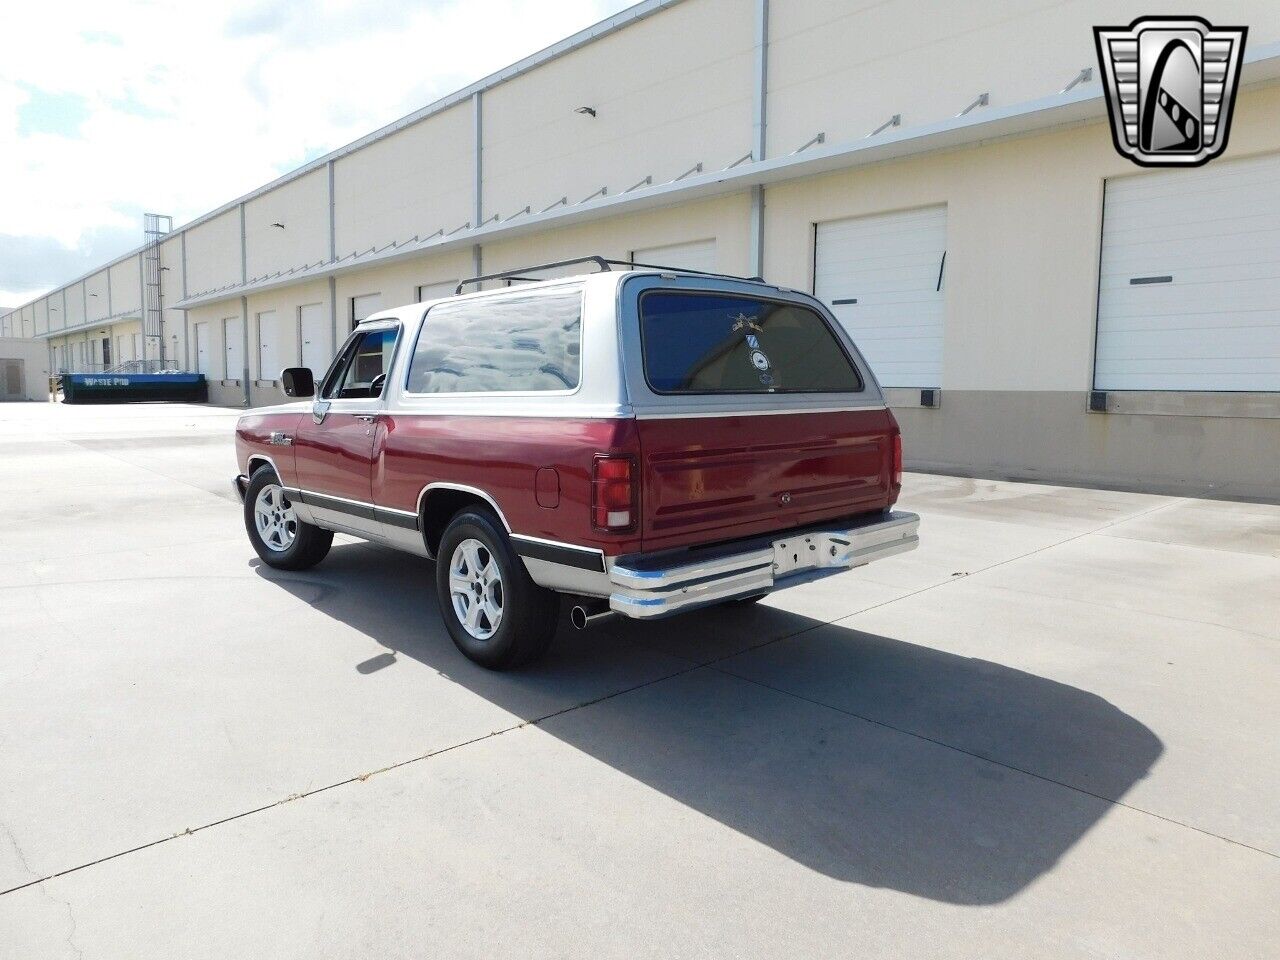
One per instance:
(866,758)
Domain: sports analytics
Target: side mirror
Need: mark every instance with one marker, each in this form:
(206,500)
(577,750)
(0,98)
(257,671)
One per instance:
(297,382)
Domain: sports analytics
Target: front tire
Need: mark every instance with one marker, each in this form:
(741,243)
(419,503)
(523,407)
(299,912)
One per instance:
(495,613)
(278,536)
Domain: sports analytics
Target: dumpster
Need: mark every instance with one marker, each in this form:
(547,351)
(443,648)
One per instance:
(134,387)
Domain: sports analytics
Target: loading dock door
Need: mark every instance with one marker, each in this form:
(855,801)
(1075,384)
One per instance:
(1189,286)
(11,382)
(697,255)
(269,365)
(884,277)
(364,306)
(233,344)
(201,334)
(313,331)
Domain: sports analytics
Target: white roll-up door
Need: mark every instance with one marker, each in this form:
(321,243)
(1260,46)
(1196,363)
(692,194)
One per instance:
(233,347)
(313,332)
(695,255)
(1189,286)
(884,278)
(435,291)
(365,306)
(269,365)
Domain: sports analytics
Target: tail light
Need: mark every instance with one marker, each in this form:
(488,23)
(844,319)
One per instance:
(613,500)
(897,459)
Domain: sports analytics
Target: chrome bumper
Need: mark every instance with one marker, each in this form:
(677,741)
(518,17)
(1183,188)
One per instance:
(660,585)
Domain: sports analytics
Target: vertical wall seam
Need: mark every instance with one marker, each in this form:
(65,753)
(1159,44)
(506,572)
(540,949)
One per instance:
(333,226)
(244,310)
(186,314)
(333,255)
(477,213)
(759,112)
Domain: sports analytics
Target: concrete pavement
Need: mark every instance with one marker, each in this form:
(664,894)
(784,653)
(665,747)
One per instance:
(1049,732)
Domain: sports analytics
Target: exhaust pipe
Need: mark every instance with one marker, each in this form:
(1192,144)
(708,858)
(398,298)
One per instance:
(591,612)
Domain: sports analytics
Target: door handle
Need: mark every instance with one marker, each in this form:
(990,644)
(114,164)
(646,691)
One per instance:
(366,417)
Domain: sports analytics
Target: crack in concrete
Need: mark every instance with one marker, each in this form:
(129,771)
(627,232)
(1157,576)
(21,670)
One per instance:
(71,919)
(13,841)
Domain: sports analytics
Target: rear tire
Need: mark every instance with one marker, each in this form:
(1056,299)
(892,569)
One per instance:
(495,613)
(278,536)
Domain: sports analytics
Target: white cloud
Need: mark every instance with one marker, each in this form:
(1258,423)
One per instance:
(190,105)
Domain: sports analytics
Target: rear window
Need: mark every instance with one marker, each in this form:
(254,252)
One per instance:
(718,343)
(529,342)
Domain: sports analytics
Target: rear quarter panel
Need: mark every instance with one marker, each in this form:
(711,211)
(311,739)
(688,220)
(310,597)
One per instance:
(501,455)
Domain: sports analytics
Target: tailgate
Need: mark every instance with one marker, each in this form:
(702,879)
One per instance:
(707,479)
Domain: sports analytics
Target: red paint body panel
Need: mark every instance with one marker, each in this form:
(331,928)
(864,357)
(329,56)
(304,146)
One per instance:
(708,479)
(501,456)
(336,456)
(703,479)
(252,435)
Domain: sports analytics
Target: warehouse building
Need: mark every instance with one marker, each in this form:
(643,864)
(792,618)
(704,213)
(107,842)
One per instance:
(942,174)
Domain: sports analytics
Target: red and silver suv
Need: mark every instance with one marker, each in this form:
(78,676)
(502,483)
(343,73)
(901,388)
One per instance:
(645,441)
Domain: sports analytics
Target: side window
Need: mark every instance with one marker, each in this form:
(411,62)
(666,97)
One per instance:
(361,371)
(528,342)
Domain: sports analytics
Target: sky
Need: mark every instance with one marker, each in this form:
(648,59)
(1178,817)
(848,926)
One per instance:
(110,110)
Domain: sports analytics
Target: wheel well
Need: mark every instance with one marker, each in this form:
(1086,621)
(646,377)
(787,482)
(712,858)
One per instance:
(255,463)
(438,508)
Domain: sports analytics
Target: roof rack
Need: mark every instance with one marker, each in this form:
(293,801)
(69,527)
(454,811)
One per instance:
(600,262)
(603,264)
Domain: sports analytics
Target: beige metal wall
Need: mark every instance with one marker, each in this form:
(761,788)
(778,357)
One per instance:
(302,206)
(669,92)
(928,60)
(213,253)
(75,305)
(126,286)
(98,298)
(415,182)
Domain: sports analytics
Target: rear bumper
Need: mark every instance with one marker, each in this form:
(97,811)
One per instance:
(647,587)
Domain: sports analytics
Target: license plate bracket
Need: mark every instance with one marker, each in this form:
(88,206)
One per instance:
(802,552)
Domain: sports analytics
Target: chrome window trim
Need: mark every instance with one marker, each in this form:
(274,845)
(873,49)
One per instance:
(543,288)
(683,415)
(371,325)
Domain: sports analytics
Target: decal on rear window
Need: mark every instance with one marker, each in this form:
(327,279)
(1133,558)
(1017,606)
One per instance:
(698,342)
